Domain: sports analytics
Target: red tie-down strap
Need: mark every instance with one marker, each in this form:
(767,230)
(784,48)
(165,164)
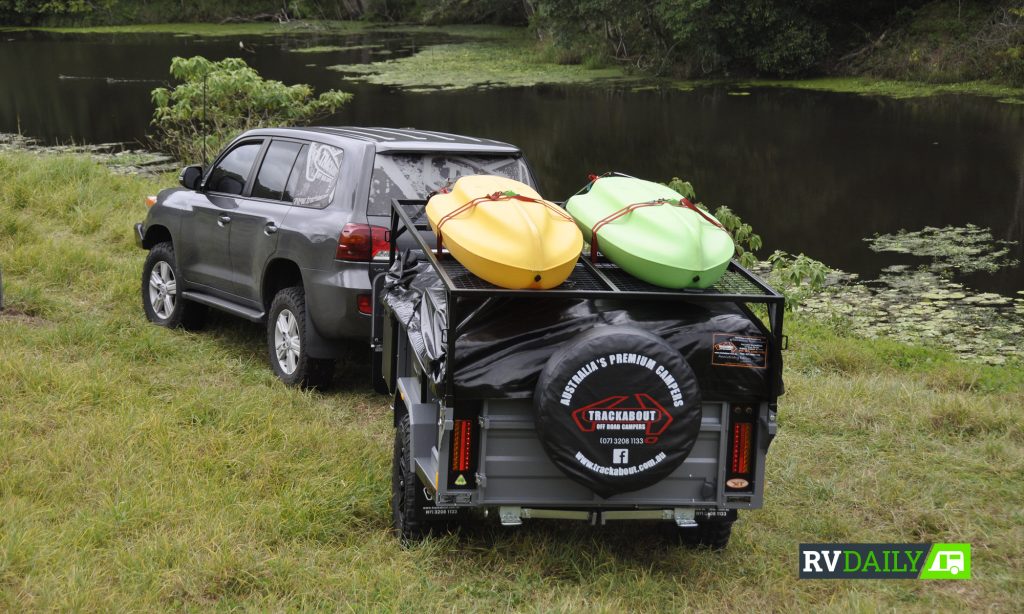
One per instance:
(682,202)
(496,197)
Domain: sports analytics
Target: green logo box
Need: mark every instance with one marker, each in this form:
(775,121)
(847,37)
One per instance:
(885,561)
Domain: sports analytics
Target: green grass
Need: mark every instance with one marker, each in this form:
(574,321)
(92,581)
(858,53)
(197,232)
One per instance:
(145,469)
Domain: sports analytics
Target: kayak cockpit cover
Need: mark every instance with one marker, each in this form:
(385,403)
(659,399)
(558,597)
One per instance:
(617,409)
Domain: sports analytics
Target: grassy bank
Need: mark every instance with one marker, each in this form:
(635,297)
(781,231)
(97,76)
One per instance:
(146,469)
(262,28)
(496,56)
(267,28)
(866,86)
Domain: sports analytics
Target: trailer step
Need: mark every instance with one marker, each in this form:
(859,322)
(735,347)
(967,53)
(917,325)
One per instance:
(513,515)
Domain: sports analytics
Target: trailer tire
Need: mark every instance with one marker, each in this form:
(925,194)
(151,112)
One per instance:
(617,409)
(712,534)
(410,518)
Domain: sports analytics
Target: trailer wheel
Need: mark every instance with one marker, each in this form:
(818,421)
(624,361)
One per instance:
(712,534)
(411,512)
(407,497)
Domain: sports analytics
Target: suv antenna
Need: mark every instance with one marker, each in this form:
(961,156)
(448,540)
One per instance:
(205,161)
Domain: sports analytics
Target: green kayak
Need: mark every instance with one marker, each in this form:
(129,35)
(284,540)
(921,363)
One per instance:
(652,232)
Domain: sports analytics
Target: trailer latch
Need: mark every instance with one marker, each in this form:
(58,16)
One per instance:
(771,422)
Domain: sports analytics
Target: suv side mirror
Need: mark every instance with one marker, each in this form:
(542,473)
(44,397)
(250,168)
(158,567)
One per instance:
(191,176)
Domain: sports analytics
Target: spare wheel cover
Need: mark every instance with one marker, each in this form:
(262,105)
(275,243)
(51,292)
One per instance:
(617,409)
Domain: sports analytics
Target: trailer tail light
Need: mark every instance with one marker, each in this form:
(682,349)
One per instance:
(741,447)
(462,443)
(462,455)
(742,442)
(362,243)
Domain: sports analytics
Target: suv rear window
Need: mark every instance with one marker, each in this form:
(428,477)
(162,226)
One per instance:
(314,176)
(414,176)
(273,175)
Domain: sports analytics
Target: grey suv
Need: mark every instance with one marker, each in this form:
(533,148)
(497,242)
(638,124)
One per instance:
(289,225)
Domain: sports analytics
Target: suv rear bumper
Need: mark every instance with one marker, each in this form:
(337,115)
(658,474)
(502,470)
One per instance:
(332,302)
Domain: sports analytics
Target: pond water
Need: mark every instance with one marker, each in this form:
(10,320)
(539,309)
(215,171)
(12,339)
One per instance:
(812,172)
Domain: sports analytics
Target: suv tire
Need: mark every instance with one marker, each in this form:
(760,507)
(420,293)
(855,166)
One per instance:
(161,300)
(287,340)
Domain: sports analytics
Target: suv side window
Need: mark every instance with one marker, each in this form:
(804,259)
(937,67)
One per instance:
(314,176)
(231,173)
(277,165)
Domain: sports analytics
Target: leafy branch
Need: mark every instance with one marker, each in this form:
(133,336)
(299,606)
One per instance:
(797,277)
(747,241)
(215,101)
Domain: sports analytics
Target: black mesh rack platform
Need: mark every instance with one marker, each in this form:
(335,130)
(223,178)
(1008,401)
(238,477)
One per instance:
(410,229)
(588,280)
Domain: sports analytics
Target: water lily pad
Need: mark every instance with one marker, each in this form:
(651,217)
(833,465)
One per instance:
(953,249)
(988,298)
(924,305)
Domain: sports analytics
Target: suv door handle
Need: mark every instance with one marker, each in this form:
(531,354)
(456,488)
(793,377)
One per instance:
(223,220)
(270,228)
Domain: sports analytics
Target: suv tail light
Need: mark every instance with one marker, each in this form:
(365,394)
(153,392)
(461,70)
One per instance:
(362,242)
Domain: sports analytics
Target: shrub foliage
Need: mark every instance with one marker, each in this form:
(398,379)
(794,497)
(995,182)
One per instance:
(215,101)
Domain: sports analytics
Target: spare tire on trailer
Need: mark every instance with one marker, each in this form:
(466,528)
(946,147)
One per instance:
(617,409)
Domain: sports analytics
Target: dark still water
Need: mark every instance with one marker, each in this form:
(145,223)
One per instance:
(812,172)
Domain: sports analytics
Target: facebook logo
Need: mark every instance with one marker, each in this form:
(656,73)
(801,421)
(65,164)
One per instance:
(620,456)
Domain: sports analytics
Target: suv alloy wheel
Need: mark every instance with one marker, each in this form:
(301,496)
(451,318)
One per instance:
(160,298)
(286,343)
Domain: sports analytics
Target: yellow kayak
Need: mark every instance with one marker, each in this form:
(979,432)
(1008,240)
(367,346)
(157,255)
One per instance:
(504,233)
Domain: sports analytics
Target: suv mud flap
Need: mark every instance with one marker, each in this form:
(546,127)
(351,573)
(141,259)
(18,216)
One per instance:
(377,375)
(140,237)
